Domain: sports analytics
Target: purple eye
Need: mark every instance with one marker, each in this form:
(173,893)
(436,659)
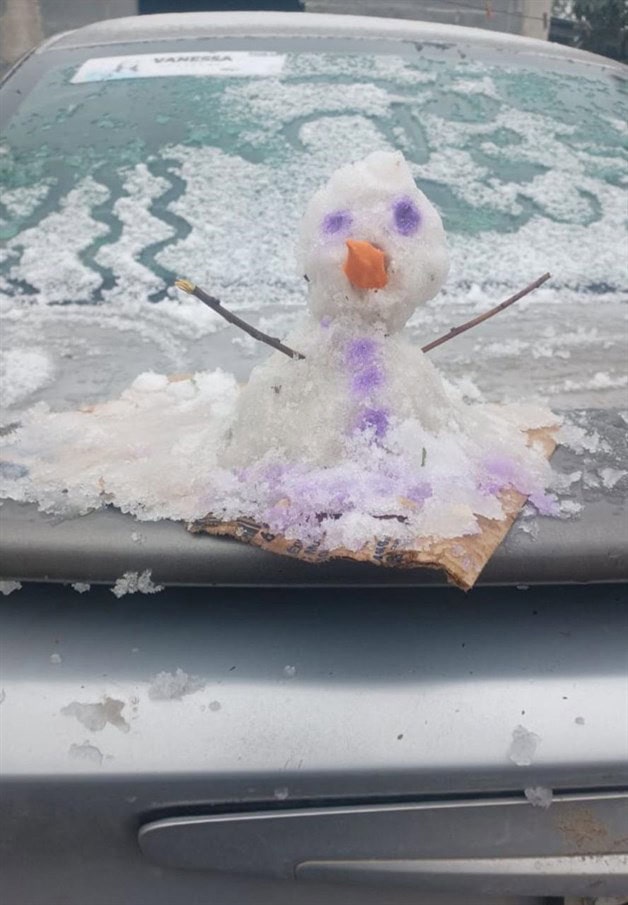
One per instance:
(337,222)
(407,216)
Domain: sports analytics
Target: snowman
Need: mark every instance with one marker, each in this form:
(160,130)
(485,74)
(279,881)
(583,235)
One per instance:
(358,443)
(371,248)
(363,428)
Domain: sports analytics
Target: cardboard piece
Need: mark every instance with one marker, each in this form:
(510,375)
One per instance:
(461,558)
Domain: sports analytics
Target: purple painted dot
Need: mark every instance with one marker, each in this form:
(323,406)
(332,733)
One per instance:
(337,222)
(545,503)
(380,485)
(367,380)
(273,474)
(339,492)
(503,471)
(501,468)
(419,493)
(376,419)
(360,353)
(326,321)
(407,216)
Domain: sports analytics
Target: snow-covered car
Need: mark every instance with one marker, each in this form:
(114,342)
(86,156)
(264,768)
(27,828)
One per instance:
(232,726)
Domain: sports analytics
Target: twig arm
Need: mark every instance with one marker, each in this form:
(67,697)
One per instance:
(216,305)
(456,331)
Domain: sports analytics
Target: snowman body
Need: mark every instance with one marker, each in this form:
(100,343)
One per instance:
(354,384)
(372,248)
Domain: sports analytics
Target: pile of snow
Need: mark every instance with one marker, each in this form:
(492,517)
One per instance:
(523,746)
(539,796)
(151,452)
(8,587)
(612,476)
(132,582)
(96,716)
(90,754)
(306,442)
(166,686)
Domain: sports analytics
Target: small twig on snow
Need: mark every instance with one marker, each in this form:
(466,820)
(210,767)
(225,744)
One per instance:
(456,331)
(216,305)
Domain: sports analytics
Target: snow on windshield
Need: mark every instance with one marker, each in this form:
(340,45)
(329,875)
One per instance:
(138,182)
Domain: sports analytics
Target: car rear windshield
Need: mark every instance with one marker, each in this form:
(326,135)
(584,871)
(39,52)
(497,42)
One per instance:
(123,169)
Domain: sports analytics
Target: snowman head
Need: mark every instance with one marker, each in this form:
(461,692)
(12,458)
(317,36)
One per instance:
(371,244)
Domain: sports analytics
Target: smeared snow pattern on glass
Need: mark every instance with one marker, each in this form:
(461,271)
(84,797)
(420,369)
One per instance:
(50,253)
(206,179)
(21,202)
(140,229)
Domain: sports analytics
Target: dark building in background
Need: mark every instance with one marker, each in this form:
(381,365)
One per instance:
(197,6)
(25,23)
(62,15)
(563,31)
(520,17)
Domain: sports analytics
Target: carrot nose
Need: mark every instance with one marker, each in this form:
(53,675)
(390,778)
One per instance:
(365,265)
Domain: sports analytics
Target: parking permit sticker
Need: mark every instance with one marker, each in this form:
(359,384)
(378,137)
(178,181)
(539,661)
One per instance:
(153,65)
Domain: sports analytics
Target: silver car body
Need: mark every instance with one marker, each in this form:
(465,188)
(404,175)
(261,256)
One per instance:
(321,734)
